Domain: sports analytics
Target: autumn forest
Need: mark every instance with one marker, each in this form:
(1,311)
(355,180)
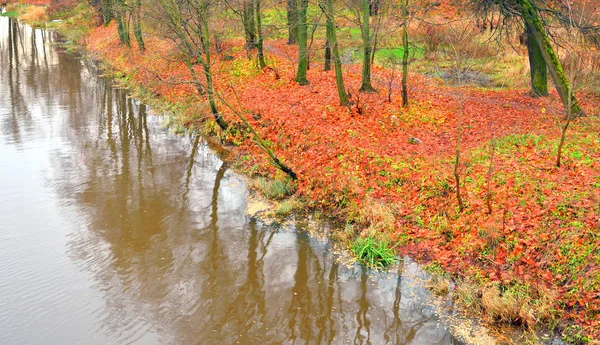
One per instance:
(464,134)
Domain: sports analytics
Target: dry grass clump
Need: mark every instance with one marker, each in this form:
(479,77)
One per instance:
(375,217)
(517,304)
(468,294)
(438,285)
(35,14)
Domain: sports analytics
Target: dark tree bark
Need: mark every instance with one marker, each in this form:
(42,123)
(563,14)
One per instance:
(327,66)
(249,24)
(120,14)
(405,54)
(366,38)
(374,7)
(327,8)
(106,10)
(136,15)
(292,21)
(259,41)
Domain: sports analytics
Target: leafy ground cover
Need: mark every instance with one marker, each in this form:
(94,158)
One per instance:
(388,171)
(361,162)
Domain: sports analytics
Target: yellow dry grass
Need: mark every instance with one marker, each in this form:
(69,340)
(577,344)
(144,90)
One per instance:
(35,14)
(517,304)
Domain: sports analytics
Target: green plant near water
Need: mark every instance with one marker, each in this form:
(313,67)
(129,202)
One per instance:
(373,252)
(276,189)
(12,14)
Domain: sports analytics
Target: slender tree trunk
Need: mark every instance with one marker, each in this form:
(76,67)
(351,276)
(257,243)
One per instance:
(374,7)
(137,25)
(374,50)
(106,9)
(206,62)
(249,24)
(405,54)
(537,65)
(327,66)
(459,199)
(532,19)
(337,62)
(302,43)
(292,21)
(122,27)
(259,42)
(366,37)
(260,142)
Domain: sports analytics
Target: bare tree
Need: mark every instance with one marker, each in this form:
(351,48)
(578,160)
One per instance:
(186,24)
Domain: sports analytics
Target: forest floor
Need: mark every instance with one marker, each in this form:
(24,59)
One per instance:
(541,242)
(388,170)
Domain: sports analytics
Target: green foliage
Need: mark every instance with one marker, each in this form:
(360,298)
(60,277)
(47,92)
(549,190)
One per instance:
(12,14)
(372,252)
(286,207)
(385,55)
(242,68)
(574,335)
(435,268)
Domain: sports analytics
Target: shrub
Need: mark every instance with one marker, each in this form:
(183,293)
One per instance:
(35,14)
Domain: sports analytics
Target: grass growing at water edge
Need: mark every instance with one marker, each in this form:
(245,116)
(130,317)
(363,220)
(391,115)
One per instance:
(276,189)
(373,252)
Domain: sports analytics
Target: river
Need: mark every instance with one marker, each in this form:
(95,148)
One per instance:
(115,230)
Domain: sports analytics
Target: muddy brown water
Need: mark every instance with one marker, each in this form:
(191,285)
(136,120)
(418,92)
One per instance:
(114,230)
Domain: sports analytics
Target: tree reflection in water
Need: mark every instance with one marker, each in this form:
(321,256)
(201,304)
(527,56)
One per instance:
(164,235)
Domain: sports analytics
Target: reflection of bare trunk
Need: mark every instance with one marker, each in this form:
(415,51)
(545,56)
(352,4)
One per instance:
(362,317)
(256,278)
(327,331)
(215,197)
(301,295)
(188,176)
(393,331)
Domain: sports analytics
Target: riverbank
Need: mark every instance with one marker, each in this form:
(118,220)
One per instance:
(388,171)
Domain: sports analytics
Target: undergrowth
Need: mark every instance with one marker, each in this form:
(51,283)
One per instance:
(372,252)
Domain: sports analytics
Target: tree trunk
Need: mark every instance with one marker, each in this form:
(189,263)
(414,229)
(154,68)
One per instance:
(106,9)
(366,37)
(122,27)
(537,65)
(302,42)
(249,25)
(137,25)
(292,21)
(211,98)
(374,7)
(259,42)
(405,55)
(327,66)
(530,15)
(337,62)
(210,88)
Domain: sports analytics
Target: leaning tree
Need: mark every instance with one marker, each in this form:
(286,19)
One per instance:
(535,15)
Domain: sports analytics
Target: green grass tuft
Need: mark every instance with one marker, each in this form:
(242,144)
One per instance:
(276,189)
(287,207)
(372,252)
(12,14)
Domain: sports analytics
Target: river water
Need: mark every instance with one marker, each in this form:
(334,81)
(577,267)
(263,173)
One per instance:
(114,230)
